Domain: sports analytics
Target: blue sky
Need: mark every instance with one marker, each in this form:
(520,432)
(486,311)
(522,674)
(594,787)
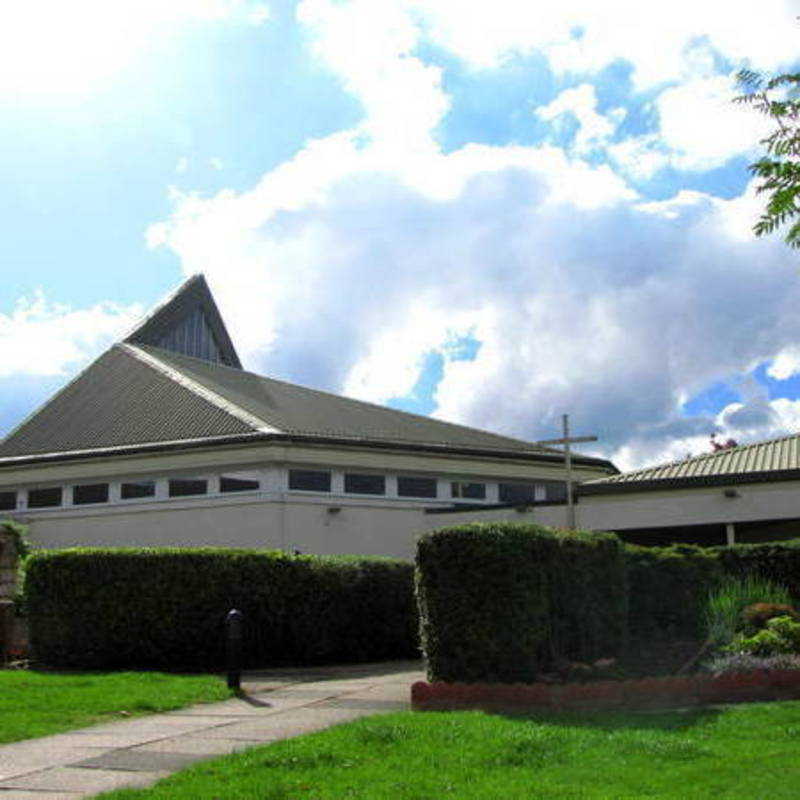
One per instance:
(491,214)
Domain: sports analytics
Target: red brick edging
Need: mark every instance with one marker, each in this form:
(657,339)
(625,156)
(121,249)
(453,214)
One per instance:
(668,692)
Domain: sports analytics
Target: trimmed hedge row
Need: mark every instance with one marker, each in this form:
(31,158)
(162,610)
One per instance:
(499,602)
(503,602)
(165,608)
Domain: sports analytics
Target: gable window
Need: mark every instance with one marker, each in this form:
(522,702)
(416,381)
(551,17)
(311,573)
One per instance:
(416,487)
(310,480)
(239,482)
(468,491)
(134,490)
(8,501)
(90,493)
(184,487)
(44,498)
(355,483)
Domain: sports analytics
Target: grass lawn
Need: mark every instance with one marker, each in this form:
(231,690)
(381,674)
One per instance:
(39,703)
(746,751)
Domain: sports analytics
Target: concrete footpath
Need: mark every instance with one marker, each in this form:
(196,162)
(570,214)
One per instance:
(277,704)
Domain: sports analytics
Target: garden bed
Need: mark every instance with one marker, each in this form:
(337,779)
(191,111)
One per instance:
(645,693)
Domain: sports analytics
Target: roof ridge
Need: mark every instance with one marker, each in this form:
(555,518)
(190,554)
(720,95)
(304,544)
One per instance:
(222,403)
(533,447)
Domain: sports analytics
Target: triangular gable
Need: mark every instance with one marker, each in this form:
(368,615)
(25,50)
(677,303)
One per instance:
(188,322)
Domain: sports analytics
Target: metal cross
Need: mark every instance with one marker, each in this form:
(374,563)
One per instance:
(567,440)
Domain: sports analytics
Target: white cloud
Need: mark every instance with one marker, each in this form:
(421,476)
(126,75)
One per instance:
(43,338)
(580,102)
(663,41)
(700,128)
(345,265)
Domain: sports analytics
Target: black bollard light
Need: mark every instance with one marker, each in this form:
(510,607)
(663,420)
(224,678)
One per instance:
(233,630)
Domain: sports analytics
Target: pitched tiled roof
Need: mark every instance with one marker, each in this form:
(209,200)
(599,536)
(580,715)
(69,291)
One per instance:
(775,459)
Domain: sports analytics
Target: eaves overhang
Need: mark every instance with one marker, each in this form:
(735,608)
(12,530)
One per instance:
(307,439)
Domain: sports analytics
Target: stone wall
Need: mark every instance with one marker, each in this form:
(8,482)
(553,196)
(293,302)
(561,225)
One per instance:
(10,633)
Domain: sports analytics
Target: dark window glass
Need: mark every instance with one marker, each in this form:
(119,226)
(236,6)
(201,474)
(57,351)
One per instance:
(182,487)
(472,491)
(8,501)
(416,487)
(517,492)
(90,493)
(43,498)
(365,484)
(237,483)
(136,489)
(310,480)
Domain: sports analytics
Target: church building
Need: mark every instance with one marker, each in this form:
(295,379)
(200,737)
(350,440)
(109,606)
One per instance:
(166,440)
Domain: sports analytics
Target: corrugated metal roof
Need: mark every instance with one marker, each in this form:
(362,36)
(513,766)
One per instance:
(119,401)
(294,409)
(773,458)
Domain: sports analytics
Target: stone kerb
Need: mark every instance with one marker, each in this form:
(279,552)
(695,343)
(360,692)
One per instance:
(8,586)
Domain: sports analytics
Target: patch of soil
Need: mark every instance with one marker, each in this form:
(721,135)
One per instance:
(658,658)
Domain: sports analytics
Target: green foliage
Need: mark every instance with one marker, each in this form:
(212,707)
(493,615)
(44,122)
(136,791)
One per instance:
(778,562)
(728,601)
(781,635)
(19,537)
(756,616)
(165,607)
(779,169)
(668,590)
(503,601)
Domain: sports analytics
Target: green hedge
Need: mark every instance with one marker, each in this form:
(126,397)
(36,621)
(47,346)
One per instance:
(164,608)
(501,602)
(667,591)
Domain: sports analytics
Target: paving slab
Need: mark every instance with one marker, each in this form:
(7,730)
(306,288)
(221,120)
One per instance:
(33,756)
(22,794)
(199,745)
(139,761)
(85,781)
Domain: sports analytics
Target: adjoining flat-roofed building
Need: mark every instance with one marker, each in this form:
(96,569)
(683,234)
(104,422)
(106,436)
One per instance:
(748,493)
(166,440)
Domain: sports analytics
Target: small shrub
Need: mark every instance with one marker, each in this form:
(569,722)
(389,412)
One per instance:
(727,602)
(756,616)
(781,635)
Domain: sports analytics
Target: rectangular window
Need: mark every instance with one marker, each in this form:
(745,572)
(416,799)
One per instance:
(364,484)
(44,498)
(519,492)
(184,487)
(90,493)
(135,490)
(416,487)
(310,480)
(8,501)
(468,491)
(239,482)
